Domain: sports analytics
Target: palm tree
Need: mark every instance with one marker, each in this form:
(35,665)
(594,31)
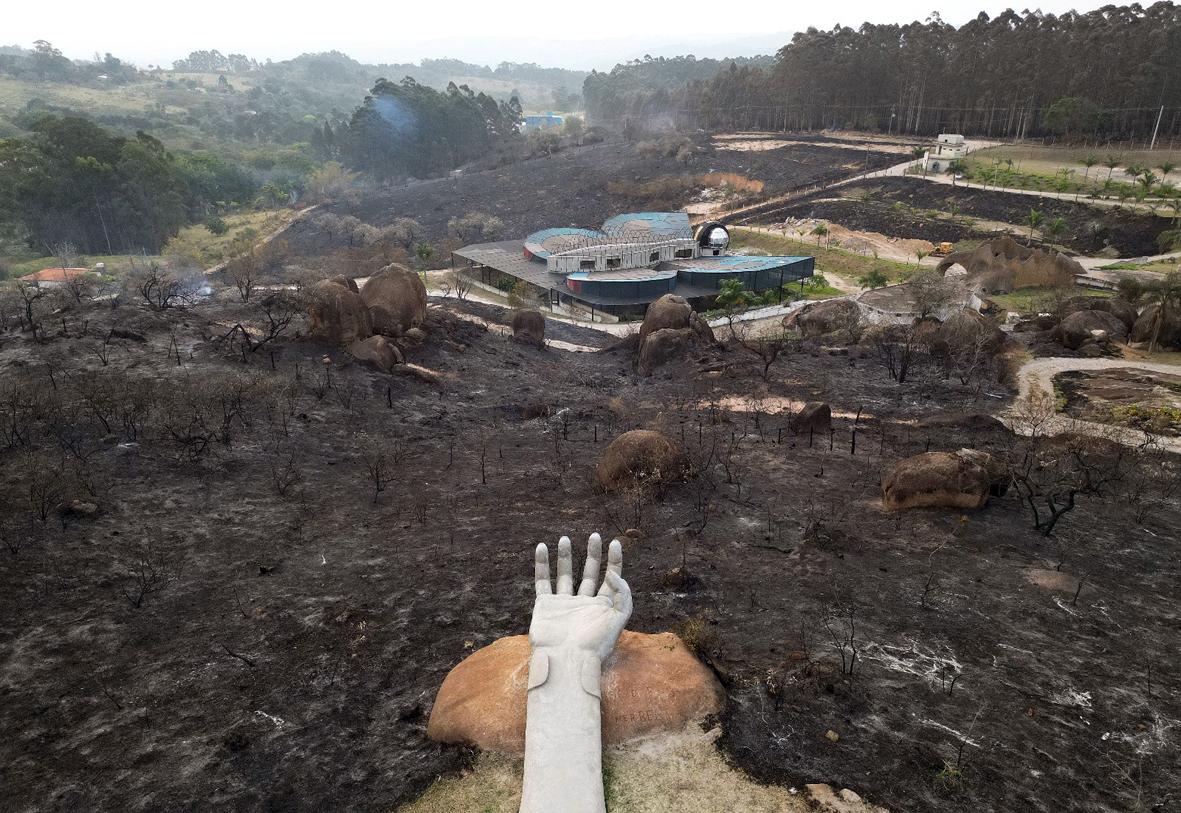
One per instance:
(1111,162)
(1088,162)
(1166,167)
(820,230)
(1055,227)
(1147,179)
(875,278)
(1035,220)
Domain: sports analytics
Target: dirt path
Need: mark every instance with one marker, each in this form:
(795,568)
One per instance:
(1035,193)
(896,169)
(1037,376)
(284,226)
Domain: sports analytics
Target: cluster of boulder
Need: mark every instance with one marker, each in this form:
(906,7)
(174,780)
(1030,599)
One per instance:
(1003,265)
(391,306)
(1094,325)
(671,329)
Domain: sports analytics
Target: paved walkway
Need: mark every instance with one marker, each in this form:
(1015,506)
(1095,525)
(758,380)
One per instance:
(1037,376)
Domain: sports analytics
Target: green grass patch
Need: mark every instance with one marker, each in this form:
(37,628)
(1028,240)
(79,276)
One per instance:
(194,243)
(833,261)
(1030,300)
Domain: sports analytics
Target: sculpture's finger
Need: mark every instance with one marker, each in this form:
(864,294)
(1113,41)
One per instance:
(565,568)
(590,570)
(541,570)
(622,598)
(614,565)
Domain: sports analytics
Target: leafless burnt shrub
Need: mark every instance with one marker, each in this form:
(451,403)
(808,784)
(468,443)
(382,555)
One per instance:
(196,412)
(1049,475)
(842,629)
(379,467)
(30,296)
(147,569)
(159,288)
(42,483)
(276,314)
(900,348)
(286,473)
(1152,483)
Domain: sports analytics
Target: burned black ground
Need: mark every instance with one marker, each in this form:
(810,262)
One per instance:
(914,208)
(289,655)
(571,188)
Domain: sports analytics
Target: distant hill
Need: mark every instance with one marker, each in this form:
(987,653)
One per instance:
(235,103)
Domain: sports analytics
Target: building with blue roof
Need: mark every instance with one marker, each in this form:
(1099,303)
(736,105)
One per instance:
(634,259)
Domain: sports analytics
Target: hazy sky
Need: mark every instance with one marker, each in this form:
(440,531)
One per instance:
(594,34)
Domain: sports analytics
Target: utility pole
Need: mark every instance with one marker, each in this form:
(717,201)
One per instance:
(1156,129)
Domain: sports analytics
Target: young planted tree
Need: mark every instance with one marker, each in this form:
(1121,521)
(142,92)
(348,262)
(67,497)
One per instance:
(1034,220)
(1111,162)
(875,278)
(1055,228)
(819,230)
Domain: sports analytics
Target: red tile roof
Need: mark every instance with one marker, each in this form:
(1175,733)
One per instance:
(54,274)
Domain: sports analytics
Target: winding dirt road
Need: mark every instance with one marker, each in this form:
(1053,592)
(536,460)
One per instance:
(1037,376)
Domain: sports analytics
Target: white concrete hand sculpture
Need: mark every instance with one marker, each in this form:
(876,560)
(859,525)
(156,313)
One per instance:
(571,635)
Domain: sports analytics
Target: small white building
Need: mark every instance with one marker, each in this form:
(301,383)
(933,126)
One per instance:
(947,148)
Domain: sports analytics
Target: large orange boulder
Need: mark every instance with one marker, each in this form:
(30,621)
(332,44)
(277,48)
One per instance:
(337,313)
(396,298)
(651,683)
(962,479)
(641,456)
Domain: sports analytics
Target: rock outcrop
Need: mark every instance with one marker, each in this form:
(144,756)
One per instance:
(640,456)
(651,684)
(1121,309)
(673,312)
(1086,326)
(378,351)
(963,479)
(529,327)
(396,299)
(814,416)
(1002,265)
(337,313)
(1145,327)
(670,330)
(662,346)
(821,318)
(967,328)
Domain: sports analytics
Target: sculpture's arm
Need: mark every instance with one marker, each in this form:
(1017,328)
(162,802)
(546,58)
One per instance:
(571,635)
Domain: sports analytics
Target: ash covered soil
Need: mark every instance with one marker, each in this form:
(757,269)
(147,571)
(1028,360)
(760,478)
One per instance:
(570,188)
(908,208)
(245,624)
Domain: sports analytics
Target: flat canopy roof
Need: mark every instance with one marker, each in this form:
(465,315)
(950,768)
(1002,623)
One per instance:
(733,264)
(508,257)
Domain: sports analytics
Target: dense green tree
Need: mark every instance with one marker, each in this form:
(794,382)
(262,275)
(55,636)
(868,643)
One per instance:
(405,128)
(1017,74)
(74,181)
